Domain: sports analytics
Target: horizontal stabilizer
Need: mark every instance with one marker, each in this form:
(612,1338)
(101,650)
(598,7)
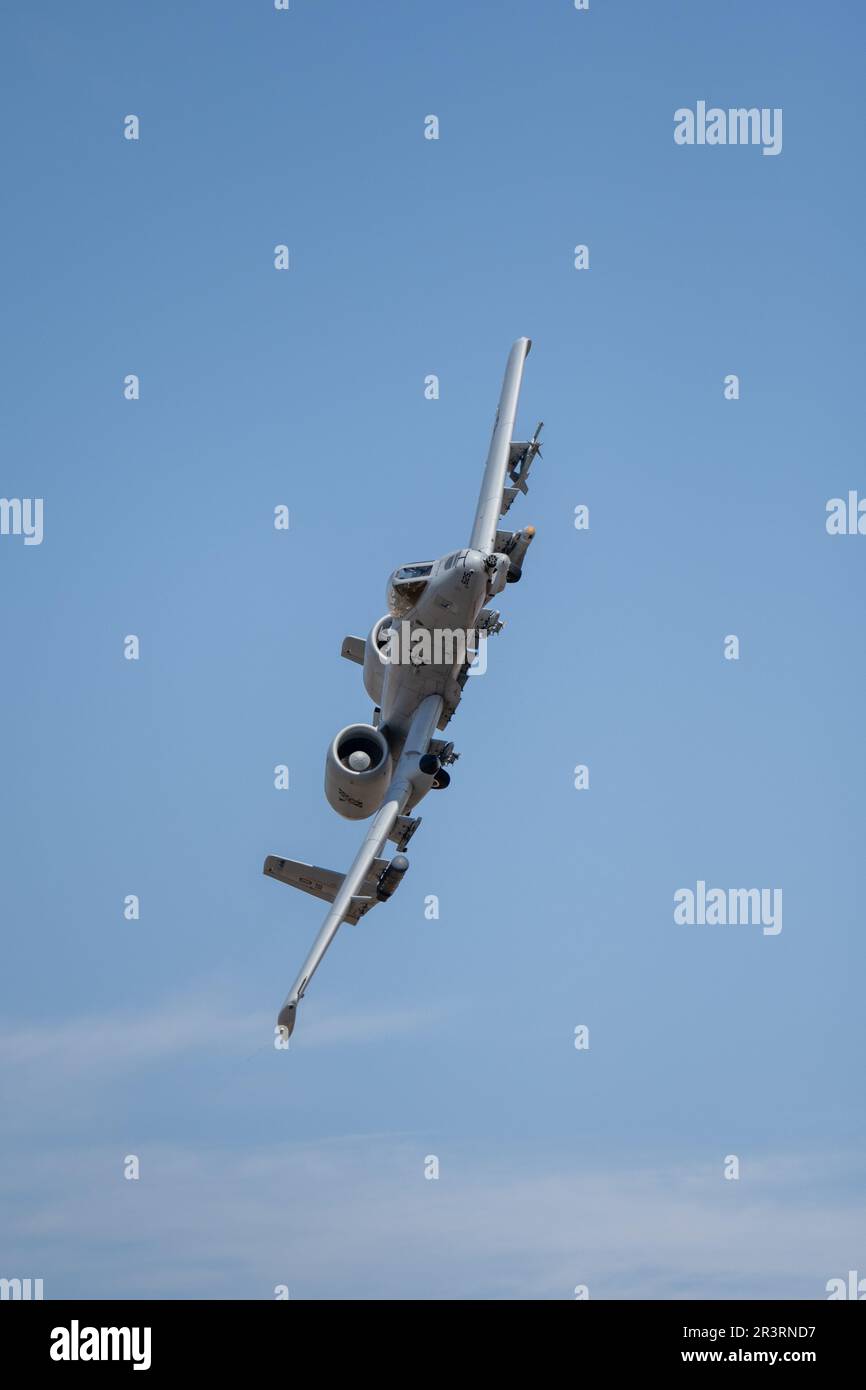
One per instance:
(325,883)
(353,649)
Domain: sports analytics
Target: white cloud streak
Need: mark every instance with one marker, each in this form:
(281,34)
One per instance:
(357,1219)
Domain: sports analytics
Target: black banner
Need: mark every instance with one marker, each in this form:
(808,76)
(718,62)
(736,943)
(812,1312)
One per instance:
(164,1338)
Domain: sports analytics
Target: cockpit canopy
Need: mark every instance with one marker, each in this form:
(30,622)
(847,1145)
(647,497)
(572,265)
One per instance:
(406,586)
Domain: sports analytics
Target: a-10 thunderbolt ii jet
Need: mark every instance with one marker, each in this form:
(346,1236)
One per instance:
(416,661)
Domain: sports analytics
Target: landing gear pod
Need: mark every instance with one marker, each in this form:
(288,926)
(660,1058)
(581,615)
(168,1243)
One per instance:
(521,541)
(392,877)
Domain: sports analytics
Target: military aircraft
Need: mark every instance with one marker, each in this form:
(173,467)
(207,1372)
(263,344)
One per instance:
(416,662)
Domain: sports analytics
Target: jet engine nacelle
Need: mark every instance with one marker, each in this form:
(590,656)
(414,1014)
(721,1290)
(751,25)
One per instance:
(357,771)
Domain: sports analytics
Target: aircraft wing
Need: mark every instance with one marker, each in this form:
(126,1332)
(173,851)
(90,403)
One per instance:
(347,893)
(350,889)
(499,457)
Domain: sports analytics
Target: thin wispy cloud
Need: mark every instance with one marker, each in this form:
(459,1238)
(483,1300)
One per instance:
(358,1219)
(48,1071)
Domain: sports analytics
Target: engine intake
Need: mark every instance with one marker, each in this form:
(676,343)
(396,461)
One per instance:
(357,771)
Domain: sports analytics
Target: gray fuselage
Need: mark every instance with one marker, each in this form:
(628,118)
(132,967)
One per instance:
(442,619)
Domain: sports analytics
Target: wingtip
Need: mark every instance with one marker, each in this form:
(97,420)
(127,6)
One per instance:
(286,1018)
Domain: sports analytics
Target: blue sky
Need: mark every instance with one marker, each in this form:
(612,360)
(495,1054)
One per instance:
(451,1037)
